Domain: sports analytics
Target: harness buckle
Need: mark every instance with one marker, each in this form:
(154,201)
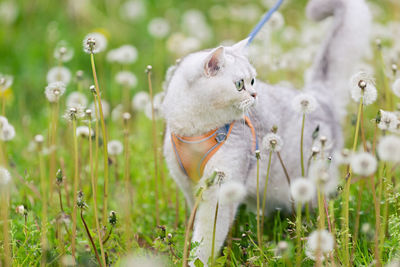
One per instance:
(220,137)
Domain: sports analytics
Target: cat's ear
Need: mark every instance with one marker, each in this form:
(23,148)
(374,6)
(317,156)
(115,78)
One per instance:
(241,46)
(214,61)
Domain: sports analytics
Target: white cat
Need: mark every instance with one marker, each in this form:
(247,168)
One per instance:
(210,89)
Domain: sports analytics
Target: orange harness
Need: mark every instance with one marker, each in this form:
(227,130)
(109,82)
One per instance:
(193,153)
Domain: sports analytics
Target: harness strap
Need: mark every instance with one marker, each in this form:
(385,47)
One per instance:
(193,153)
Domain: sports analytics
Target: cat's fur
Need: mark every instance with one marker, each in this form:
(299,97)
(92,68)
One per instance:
(201,96)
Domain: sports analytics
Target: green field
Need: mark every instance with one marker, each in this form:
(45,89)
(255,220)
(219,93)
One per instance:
(46,159)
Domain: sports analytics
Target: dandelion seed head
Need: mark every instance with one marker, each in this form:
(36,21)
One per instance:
(396,87)
(388,121)
(363,86)
(39,138)
(272,142)
(133,10)
(148,110)
(363,164)
(304,103)
(5,82)
(20,209)
(126,54)
(63,52)
(281,248)
(3,121)
(231,192)
(140,101)
(105,106)
(302,190)
(83,131)
(74,113)
(94,43)
(323,175)
(115,147)
(126,78)
(7,132)
(320,240)
(76,99)
(5,177)
(389,148)
(126,116)
(343,157)
(158,28)
(59,74)
(54,91)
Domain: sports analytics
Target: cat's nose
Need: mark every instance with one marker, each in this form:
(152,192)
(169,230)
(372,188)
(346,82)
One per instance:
(254,94)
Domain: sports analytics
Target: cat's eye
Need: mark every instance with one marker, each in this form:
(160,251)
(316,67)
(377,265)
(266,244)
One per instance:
(252,81)
(239,85)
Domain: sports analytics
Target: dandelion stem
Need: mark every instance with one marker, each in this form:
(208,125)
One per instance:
(91,239)
(347,190)
(53,157)
(301,145)
(385,208)
(298,235)
(265,194)
(213,234)
(74,213)
(189,227)
(94,189)
(103,128)
(43,186)
(4,217)
(127,183)
(258,200)
(155,148)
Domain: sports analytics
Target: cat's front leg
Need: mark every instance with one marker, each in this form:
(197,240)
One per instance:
(204,223)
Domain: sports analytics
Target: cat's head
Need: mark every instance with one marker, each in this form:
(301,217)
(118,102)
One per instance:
(212,86)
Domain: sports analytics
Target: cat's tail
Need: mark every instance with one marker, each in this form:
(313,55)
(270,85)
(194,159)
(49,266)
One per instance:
(346,43)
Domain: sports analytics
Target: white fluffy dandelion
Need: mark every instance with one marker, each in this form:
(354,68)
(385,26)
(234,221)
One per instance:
(94,43)
(363,163)
(54,91)
(140,100)
(74,113)
(363,86)
(389,148)
(126,78)
(83,131)
(324,176)
(320,240)
(59,74)
(159,28)
(114,148)
(396,87)
(304,103)
(126,54)
(148,111)
(5,82)
(63,52)
(5,177)
(302,190)
(105,106)
(116,113)
(272,142)
(388,121)
(231,192)
(7,132)
(133,10)
(343,157)
(76,99)
(3,121)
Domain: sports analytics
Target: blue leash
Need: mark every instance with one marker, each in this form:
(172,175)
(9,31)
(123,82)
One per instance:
(266,17)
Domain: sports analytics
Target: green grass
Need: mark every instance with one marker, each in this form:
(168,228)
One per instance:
(26,49)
